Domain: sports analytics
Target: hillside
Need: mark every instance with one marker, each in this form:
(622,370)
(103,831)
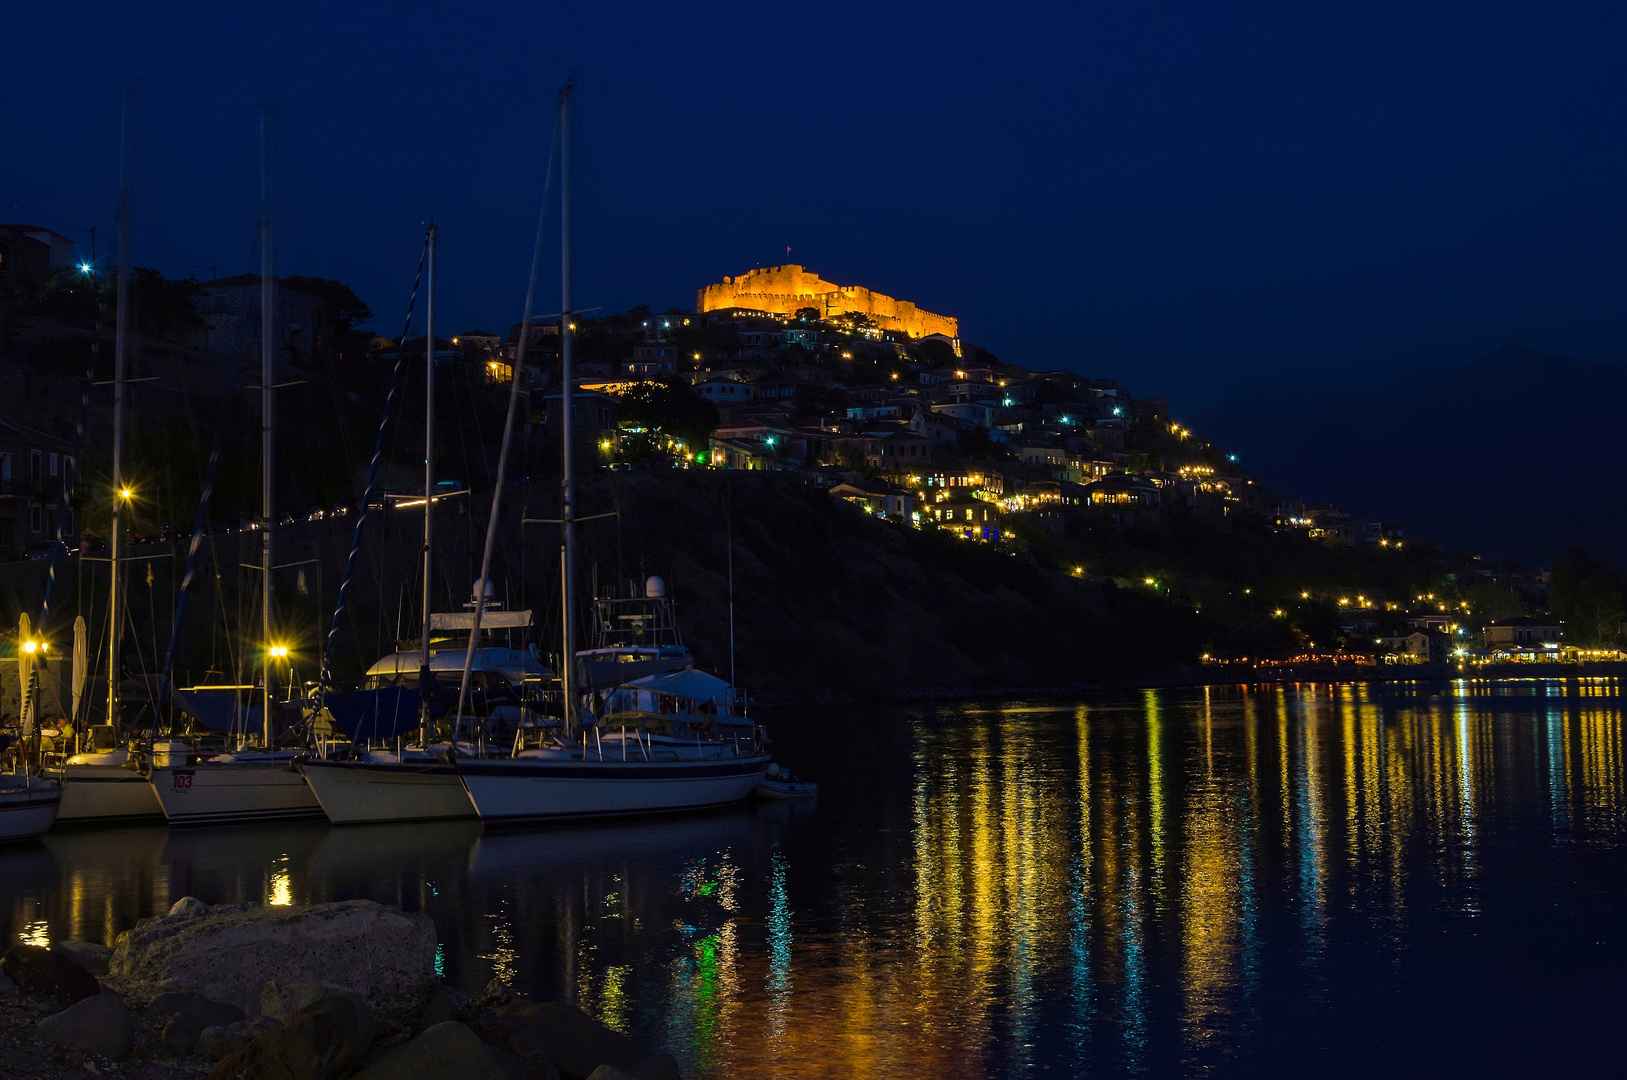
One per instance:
(828,600)
(1518,455)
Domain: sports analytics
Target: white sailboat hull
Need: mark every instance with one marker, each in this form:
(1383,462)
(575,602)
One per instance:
(210,793)
(27,808)
(103,793)
(354,792)
(520,789)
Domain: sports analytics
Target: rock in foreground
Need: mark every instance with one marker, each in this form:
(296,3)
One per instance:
(100,1024)
(447,1049)
(51,974)
(322,1041)
(228,953)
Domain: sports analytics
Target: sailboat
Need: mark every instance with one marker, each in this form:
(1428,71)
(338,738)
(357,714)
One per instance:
(692,762)
(375,781)
(255,784)
(102,782)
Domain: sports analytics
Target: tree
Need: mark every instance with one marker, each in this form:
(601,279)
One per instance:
(671,407)
(1585,593)
(808,314)
(937,354)
(339,302)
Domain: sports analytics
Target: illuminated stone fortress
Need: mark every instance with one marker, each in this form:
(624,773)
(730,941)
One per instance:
(786,289)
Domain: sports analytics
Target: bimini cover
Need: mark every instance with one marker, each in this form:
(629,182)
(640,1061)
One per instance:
(372,715)
(489,620)
(218,710)
(513,664)
(691,684)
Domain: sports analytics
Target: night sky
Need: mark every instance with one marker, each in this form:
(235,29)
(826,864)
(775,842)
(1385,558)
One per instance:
(1200,200)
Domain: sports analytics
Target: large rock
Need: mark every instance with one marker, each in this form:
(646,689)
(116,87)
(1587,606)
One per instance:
(561,1034)
(90,955)
(518,1040)
(100,1024)
(214,1043)
(187,1016)
(8,989)
(188,905)
(322,1041)
(445,1050)
(657,1066)
(38,970)
(228,953)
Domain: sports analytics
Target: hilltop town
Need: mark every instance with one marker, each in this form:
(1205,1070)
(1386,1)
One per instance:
(879,405)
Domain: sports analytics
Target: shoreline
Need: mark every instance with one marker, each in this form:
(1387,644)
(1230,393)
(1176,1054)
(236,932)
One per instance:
(1222,676)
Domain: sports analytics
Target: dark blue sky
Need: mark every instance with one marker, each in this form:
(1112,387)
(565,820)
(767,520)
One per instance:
(1197,199)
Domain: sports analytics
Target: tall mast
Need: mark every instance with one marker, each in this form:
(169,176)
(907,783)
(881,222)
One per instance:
(567,408)
(121,333)
(268,352)
(429,434)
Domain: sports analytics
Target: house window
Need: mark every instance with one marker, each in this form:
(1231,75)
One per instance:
(35,521)
(53,464)
(8,532)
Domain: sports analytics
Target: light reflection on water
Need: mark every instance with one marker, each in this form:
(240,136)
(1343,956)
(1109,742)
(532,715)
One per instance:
(1210,881)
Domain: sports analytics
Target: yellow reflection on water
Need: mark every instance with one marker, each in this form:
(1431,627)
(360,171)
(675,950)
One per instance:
(37,933)
(280,886)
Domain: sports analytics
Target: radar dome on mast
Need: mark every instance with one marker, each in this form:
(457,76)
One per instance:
(655,588)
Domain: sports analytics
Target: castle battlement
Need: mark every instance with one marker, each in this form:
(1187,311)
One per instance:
(786,289)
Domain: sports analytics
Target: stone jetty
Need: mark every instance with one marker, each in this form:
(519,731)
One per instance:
(320,992)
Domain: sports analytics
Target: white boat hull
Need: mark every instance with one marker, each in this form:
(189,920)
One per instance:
(102,793)
(27,808)
(355,792)
(211,793)
(520,789)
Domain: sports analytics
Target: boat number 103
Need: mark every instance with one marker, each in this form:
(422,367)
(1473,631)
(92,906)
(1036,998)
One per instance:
(181,781)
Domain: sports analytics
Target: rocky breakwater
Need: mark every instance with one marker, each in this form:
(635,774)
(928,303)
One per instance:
(322,992)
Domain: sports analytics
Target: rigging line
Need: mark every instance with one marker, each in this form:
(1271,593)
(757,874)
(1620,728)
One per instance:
(372,482)
(200,525)
(508,431)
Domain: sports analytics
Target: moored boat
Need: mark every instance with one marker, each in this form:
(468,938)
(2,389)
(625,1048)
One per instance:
(244,786)
(377,787)
(104,787)
(28,805)
(781,784)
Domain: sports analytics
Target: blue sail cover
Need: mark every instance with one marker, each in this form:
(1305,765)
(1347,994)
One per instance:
(372,715)
(218,710)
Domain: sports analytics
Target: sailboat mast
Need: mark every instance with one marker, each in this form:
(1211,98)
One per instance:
(567,410)
(268,352)
(121,333)
(429,438)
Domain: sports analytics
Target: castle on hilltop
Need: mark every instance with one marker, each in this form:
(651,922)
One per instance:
(785,290)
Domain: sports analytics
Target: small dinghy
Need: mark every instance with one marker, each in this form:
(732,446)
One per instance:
(28,806)
(779,783)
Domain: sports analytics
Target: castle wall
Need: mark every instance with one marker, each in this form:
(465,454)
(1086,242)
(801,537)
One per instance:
(785,289)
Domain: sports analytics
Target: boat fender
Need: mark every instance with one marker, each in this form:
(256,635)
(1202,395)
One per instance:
(773,771)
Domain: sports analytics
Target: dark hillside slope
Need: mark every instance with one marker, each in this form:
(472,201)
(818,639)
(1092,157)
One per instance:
(826,597)
(1517,456)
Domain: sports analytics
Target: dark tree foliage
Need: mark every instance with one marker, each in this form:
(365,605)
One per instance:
(978,445)
(163,307)
(340,304)
(1586,594)
(936,354)
(671,407)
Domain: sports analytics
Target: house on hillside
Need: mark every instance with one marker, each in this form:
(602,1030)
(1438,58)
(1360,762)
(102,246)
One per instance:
(1532,633)
(37,482)
(878,497)
(968,517)
(746,455)
(230,309)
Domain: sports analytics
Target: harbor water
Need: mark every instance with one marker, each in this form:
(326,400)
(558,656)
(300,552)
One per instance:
(1321,879)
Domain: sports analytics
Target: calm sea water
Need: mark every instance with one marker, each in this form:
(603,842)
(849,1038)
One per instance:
(1316,880)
